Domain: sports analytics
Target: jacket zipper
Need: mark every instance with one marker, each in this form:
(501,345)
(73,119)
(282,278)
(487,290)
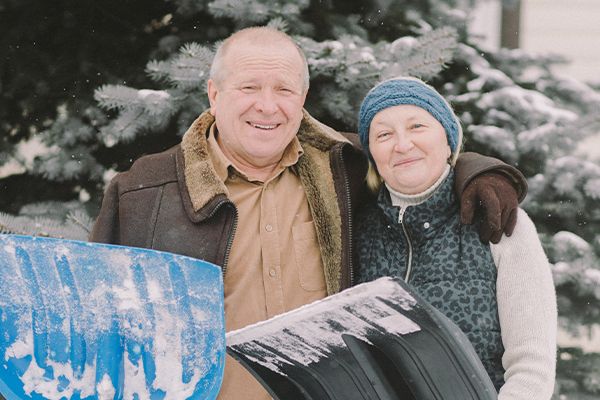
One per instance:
(349,214)
(231,234)
(410,248)
(230,243)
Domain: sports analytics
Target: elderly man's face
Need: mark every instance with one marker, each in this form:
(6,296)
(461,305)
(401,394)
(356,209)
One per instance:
(258,104)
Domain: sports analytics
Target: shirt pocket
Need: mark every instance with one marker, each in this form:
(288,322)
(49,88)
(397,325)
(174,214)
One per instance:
(308,257)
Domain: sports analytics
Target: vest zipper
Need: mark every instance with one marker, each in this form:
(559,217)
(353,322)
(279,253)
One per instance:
(410,249)
(348,254)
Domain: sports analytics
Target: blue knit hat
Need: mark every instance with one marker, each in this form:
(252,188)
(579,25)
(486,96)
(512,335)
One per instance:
(407,90)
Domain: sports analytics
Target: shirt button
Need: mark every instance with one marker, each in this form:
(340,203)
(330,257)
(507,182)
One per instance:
(269,227)
(426,225)
(272,273)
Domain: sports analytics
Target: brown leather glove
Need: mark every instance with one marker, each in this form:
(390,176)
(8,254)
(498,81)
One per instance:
(492,201)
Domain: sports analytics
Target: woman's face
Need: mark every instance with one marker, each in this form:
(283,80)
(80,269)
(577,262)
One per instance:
(409,147)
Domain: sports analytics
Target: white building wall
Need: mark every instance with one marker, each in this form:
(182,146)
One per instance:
(567,27)
(570,28)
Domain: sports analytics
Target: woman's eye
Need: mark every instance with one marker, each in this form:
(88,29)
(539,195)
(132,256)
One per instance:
(383,135)
(417,126)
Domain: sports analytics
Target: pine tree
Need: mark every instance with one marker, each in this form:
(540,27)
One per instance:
(511,104)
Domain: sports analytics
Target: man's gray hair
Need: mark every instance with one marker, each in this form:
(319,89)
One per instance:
(260,33)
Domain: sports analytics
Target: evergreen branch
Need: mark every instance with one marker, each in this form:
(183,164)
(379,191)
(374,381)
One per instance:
(154,102)
(253,12)
(125,128)
(337,103)
(115,97)
(257,12)
(158,70)
(190,7)
(278,23)
(81,219)
(190,69)
(498,139)
(11,225)
(424,57)
(39,226)
(592,189)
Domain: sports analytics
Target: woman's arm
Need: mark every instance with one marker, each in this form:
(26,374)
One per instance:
(527,311)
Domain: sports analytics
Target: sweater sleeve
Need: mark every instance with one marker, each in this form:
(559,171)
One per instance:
(527,312)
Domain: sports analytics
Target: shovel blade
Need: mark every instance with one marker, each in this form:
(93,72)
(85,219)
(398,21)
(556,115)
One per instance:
(376,341)
(91,321)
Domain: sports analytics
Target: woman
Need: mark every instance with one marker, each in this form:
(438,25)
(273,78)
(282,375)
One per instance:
(501,295)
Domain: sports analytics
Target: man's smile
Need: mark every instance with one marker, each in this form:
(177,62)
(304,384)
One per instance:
(263,126)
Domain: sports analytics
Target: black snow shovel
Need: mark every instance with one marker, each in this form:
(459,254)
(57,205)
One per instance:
(376,341)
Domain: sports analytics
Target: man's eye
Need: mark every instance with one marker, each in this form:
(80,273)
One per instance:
(248,89)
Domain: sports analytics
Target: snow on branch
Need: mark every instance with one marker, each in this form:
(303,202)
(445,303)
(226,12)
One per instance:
(81,219)
(423,57)
(40,226)
(124,128)
(256,12)
(576,264)
(279,23)
(115,97)
(352,61)
(188,70)
(498,139)
(119,97)
(526,103)
(574,175)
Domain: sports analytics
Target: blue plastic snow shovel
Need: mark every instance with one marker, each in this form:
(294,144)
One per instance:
(90,321)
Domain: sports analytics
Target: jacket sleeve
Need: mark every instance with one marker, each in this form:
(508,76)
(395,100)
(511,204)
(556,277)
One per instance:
(106,227)
(469,165)
(527,312)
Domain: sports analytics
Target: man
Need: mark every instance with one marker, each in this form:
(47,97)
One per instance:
(256,186)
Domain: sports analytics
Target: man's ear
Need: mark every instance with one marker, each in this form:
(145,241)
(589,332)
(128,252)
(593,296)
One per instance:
(212,91)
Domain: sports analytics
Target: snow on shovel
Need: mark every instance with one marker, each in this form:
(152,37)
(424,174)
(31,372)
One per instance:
(376,341)
(94,321)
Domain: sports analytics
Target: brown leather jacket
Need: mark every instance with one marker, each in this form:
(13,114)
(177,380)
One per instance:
(173,201)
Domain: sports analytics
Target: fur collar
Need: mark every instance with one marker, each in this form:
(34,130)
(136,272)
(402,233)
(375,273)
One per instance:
(201,178)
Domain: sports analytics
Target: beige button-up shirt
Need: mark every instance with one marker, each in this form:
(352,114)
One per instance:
(274,263)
